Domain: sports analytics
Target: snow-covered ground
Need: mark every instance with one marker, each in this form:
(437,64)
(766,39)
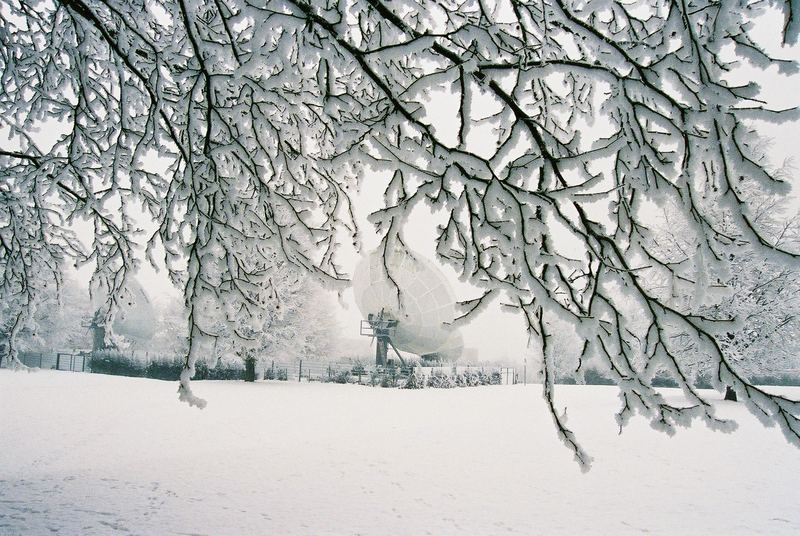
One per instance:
(89,454)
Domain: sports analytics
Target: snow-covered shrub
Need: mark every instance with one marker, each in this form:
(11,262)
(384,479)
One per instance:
(116,363)
(280,374)
(440,380)
(484,379)
(590,376)
(385,377)
(777,379)
(222,371)
(374,378)
(387,381)
(415,381)
(358,371)
(471,378)
(169,368)
(343,376)
(662,379)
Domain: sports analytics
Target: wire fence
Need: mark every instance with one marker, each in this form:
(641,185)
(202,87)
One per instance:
(348,372)
(306,370)
(75,362)
(301,370)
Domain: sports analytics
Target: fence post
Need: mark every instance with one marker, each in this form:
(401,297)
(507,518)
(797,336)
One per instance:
(300,373)
(40,360)
(58,361)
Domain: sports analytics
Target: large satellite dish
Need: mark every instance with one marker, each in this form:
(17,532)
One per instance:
(407,304)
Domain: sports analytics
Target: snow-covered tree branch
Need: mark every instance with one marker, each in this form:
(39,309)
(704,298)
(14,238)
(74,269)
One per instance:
(241,134)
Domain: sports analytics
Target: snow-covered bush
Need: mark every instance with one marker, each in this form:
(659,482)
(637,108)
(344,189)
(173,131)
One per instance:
(168,368)
(460,380)
(116,363)
(358,371)
(484,378)
(159,367)
(387,380)
(374,378)
(343,376)
(414,381)
(274,372)
(441,380)
(472,378)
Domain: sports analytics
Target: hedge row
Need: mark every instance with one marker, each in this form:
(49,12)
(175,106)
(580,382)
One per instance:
(118,364)
(442,380)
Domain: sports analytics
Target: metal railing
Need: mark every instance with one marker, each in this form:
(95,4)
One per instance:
(378,328)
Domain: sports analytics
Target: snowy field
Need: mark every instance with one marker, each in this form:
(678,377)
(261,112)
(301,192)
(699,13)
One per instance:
(89,454)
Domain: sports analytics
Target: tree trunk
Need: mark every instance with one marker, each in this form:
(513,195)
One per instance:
(730,394)
(250,369)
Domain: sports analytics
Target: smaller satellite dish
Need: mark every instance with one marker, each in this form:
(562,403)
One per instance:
(412,292)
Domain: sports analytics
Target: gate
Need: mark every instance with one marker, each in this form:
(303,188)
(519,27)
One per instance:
(71,362)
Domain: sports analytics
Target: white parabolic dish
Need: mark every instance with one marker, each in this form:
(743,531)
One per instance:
(426,303)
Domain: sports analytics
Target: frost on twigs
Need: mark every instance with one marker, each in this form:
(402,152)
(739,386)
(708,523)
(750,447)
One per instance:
(564,224)
(564,434)
(242,106)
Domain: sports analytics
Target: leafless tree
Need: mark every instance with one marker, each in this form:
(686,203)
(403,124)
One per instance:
(763,297)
